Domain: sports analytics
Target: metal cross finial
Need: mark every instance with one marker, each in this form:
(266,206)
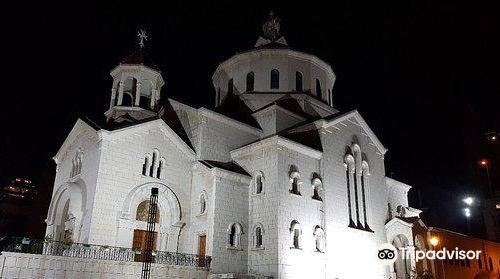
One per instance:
(142,37)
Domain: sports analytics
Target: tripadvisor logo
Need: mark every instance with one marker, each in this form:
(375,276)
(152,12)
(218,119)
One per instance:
(387,254)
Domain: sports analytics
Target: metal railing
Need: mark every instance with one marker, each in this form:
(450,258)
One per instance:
(100,252)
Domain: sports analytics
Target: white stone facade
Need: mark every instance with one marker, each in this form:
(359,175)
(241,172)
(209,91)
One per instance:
(300,192)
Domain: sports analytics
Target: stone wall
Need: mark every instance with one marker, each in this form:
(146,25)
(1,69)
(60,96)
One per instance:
(16,265)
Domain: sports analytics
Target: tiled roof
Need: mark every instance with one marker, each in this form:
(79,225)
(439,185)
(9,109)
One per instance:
(233,107)
(140,57)
(230,166)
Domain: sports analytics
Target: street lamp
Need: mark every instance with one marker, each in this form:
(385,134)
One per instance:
(434,241)
(486,164)
(492,136)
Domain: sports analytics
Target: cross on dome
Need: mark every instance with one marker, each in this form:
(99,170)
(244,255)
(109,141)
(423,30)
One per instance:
(271,33)
(142,37)
(271,28)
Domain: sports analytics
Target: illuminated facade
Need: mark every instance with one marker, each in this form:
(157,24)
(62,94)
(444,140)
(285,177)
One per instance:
(272,182)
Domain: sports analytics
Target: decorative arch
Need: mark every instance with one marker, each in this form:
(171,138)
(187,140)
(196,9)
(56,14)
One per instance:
(170,216)
(75,195)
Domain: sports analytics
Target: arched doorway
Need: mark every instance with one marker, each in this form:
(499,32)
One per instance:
(132,221)
(66,212)
(421,265)
(403,265)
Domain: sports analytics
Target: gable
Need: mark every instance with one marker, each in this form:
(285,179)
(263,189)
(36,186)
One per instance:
(179,143)
(355,118)
(80,127)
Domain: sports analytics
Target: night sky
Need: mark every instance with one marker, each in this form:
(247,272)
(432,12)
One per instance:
(423,74)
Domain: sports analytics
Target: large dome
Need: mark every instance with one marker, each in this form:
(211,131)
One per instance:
(273,68)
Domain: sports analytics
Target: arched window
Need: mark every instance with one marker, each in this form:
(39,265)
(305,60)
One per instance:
(490,263)
(296,234)
(234,231)
(142,213)
(258,237)
(153,164)
(318,88)
(259,183)
(295,180)
(349,170)
(275,79)
(317,187)
(365,172)
(159,171)
(258,231)
(146,93)
(146,165)
(230,87)
(298,81)
(203,203)
(129,92)
(319,239)
(250,81)
(76,163)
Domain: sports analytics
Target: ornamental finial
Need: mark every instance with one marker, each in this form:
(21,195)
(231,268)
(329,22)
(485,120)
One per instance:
(271,28)
(142,37)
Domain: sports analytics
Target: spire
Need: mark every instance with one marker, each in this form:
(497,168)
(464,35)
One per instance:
(271,33)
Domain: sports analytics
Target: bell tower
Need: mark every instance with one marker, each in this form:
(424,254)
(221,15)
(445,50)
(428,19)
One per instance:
(137,82)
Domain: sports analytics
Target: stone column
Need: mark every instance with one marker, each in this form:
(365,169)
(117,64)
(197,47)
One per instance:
(360,198)
(352,176)
(113,96)
(137,94)
(120,93)
(154,92)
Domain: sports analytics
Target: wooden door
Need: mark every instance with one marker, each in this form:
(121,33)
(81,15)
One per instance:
(202,243)
(139,243)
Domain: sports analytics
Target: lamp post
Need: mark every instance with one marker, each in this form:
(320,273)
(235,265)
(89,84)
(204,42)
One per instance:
(486,164)
(434,241)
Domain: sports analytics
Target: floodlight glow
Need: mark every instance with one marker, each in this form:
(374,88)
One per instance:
(434,241)
(467,212)
(469,200)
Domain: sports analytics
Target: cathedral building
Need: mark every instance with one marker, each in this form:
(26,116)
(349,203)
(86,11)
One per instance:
(273,182)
